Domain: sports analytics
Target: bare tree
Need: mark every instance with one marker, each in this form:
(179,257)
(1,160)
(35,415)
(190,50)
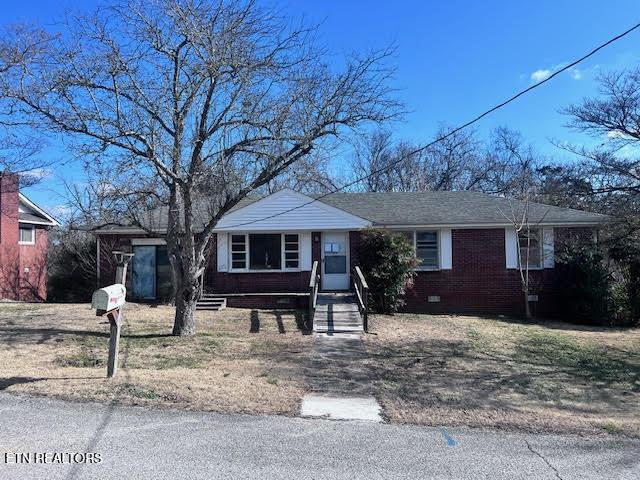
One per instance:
(610,169)
(461,161)
(530,239)
(186,93)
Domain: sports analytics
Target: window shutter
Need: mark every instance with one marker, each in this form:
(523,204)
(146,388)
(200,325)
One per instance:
(445,249)
(223,252)
(548,248)
(305,251)
(511,247)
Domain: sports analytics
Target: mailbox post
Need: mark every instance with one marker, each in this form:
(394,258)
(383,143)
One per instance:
(110,301)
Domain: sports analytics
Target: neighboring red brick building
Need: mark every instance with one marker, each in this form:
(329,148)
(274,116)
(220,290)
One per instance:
(263,250)
(23,244)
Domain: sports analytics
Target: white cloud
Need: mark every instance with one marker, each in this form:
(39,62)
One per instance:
(617,135)
(38,173)
(540,75)
(544,73)
(60,212)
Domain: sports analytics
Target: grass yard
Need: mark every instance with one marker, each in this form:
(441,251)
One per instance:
(423,369)
(450,370)
(240,361)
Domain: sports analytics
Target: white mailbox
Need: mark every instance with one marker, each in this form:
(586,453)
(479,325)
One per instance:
(108,298)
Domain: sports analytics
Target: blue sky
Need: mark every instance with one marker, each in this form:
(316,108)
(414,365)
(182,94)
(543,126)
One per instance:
(454,59)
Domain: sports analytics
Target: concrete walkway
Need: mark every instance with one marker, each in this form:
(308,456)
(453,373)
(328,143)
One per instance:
(139,443)
(340,391)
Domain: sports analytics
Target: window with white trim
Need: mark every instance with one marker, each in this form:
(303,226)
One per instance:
(265,251)
(292,250)
(27,235)
(530,245)
(426,244)
(238,252)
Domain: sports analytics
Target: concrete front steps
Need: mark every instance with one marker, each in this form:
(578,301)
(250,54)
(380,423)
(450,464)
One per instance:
(337,313)
(211,303)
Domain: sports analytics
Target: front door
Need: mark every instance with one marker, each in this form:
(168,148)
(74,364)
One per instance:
(335,261)
(144,272)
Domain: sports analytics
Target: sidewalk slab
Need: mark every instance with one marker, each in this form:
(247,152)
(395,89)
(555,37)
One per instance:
(341,408)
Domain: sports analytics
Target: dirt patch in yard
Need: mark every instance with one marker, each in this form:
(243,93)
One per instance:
(240,360)
(456,370)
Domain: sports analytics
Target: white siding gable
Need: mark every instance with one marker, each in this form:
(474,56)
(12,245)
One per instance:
(289,211)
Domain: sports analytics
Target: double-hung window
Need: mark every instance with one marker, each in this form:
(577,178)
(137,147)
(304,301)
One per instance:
(27,235)
(530,245)
(238,252)
(291,250)
(426,246)
(265,251)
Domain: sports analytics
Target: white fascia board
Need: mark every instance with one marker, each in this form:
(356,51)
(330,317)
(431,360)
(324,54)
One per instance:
(51,221)
(34,222)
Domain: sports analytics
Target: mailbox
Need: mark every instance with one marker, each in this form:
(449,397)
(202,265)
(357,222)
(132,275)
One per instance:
(108,298)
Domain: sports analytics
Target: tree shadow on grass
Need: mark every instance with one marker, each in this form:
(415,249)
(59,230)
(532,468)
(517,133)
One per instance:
(7,382)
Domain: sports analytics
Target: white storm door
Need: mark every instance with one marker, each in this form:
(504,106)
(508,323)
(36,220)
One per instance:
(335,261)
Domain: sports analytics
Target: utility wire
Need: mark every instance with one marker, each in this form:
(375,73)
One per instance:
(452,132)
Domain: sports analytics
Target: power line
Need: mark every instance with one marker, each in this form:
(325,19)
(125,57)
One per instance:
(451,132)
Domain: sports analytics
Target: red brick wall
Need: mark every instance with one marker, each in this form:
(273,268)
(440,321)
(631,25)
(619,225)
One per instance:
(15,282)
(33,267)
(479,281)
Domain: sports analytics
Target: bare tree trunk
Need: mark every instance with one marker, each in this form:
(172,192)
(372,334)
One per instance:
(527,307)
(186,298)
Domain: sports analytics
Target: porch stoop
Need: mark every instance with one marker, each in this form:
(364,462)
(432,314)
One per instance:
(211,302)
(337,312)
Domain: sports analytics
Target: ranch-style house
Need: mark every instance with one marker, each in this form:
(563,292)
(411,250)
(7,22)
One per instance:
(264,249)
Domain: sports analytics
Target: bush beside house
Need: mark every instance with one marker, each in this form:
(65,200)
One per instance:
(388,262)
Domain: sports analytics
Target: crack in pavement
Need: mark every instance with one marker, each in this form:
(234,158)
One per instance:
(555,470)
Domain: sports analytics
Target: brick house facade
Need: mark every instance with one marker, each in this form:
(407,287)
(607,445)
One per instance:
(23,244)
(468,251)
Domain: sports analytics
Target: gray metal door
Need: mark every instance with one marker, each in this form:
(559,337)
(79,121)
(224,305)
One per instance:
(144,272)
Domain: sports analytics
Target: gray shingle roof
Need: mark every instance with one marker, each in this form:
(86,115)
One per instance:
(451,208)
(414,208)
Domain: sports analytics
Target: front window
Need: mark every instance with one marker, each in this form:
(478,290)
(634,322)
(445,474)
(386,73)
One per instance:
(530,244)
(425,244)
(27,234)
(265,251)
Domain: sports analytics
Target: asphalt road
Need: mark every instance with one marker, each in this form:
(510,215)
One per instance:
(137,443)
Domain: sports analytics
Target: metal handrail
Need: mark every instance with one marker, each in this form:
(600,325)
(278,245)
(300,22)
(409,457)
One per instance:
(314,286)
(362,294)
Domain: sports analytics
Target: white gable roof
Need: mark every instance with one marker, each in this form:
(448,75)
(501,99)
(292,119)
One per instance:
(288,210)
(33,214)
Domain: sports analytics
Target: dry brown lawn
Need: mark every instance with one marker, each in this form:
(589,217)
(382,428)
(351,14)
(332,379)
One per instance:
(424,369)
(457,370)
(240,360)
